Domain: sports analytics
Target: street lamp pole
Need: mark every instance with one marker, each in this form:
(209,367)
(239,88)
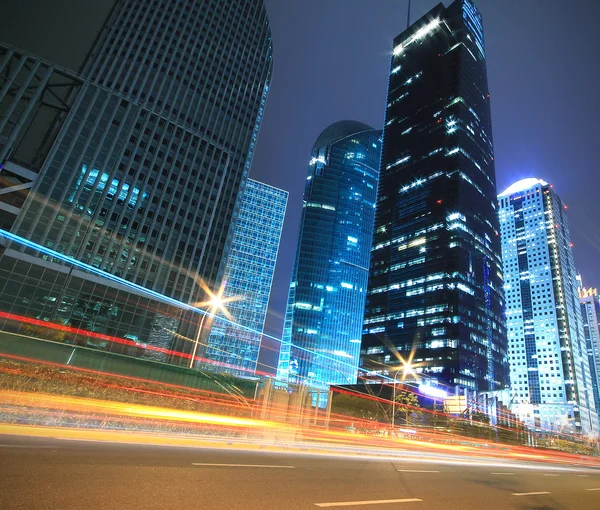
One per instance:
(394,399)
(216,302)
(198,335)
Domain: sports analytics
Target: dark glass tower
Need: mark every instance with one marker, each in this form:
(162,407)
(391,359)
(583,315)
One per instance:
(321,335)
(135,167)
(435,288)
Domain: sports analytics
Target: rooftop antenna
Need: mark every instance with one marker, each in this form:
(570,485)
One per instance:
(408,16)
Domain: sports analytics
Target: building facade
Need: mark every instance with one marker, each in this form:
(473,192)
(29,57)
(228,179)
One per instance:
(323,324)
(133,166)
(435,298)
(234,341)
(590,313)
(550,377)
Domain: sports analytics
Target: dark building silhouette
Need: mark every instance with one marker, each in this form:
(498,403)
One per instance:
(435,293)
(133,166)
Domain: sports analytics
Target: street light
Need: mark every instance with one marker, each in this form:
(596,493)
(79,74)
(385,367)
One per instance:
(405,369)
(215,302)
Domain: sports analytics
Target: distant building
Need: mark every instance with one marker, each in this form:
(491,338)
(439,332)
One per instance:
(550,376)
(234,341)
(323,324)
(133,166)
(590,312)
(435,288)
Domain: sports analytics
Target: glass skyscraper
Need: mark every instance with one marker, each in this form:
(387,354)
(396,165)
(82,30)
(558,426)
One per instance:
(589,303)
(234,341)
(323,324)
(550,377)
(435,296)
(133,166)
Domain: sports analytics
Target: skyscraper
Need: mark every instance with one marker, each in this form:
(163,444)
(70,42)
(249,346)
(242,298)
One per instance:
(550,376)
(435,287)
(590,313)
(235,340)
(323,324)
(133,166)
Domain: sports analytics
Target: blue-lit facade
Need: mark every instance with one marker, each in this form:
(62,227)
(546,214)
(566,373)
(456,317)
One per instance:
(550,378)
(435,297)
(135,166)
(323,324)
(234,345)
(589,303)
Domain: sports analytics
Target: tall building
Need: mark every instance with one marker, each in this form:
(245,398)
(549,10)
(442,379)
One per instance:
(589,303)
(132,166)
(435,296)
(234,340)
(550,376)
(323,324)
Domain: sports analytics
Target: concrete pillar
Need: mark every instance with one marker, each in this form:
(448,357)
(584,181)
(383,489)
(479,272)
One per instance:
(266,398)
(328,412)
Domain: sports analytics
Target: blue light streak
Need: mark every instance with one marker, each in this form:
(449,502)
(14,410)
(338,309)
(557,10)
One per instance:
(156,295)
(432,391)
(99,272)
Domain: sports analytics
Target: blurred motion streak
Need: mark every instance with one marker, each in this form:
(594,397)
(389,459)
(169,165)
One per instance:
(112,339)
(88,405)
(134,416)
(44,393)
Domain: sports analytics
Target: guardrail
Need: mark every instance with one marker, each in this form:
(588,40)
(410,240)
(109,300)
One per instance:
(118,364)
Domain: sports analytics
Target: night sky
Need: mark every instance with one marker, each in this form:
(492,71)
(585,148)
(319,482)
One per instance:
(331,60)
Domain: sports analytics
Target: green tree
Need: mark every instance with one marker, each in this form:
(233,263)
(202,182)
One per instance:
(357,407)
(407,408)
(480,417)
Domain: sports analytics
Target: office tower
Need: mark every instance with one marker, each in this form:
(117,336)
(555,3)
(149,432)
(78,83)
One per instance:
(133,166)
(234,341)
(549,368)
(590,313)
(435,289)
(323,324)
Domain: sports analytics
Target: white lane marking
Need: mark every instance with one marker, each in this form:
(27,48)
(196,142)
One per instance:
(26,446)
(548,474)
(528,493)
(373,502)
(88,440)
(416,471)
(471,463)
(597,489)
(506,474)
(242,465)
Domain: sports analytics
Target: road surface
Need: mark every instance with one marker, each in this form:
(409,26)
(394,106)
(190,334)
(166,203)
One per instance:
(55,474)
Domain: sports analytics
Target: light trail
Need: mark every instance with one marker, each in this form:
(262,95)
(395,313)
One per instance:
(279,411)
(159,297)
(89,405)
(155,295)
(328,440)
(187,389)
(432,412)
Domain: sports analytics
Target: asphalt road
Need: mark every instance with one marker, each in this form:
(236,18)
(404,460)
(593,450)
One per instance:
(38,474)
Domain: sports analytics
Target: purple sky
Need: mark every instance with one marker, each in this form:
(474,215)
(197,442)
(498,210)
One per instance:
(331,61)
